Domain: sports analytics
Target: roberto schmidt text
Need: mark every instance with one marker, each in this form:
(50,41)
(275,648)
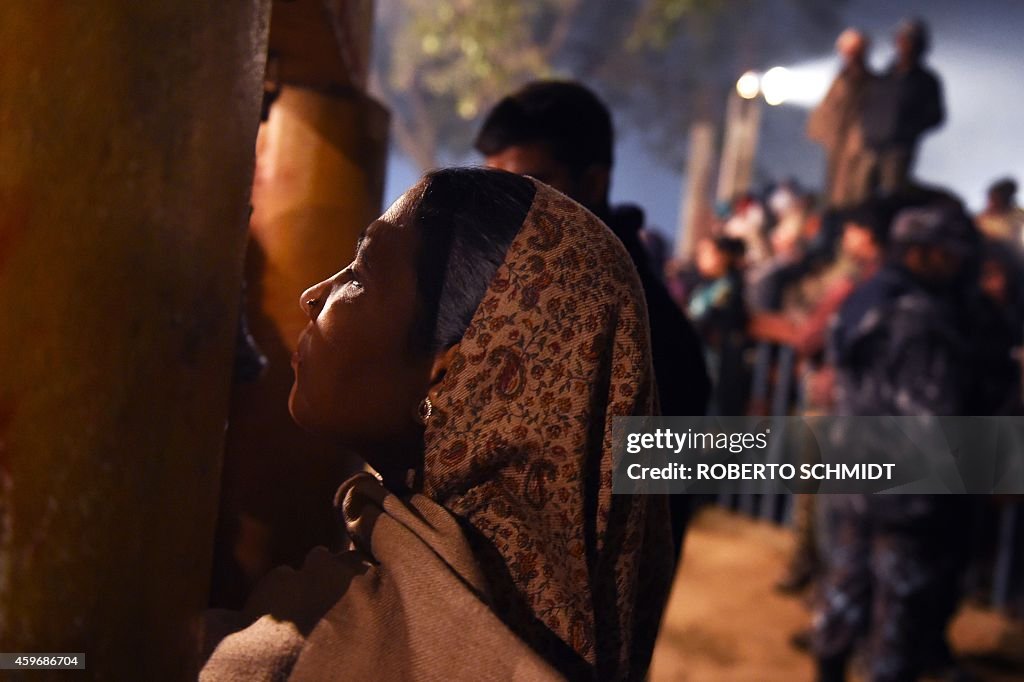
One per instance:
(734,471)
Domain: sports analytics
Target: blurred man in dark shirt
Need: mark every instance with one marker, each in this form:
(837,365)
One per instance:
(903,104)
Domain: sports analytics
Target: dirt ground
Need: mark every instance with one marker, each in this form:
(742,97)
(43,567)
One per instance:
(725,622)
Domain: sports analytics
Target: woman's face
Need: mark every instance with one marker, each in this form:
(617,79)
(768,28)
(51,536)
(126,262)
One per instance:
(357,375)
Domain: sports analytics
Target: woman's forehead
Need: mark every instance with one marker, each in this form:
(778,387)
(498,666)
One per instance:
(397,210)
(385,243)
(392,223)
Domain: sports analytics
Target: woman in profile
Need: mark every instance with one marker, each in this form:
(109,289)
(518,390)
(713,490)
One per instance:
(474,353)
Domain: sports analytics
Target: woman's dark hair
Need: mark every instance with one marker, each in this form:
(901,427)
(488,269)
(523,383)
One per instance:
(466,219)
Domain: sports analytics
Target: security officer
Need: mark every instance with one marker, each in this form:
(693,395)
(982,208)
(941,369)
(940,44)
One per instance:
(901,347)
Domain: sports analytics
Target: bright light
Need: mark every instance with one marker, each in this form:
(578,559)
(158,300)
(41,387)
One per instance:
(801,85)
(776,85)
(809,81)
(749,85)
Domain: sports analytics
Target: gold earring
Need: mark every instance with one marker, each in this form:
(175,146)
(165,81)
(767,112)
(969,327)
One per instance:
(425,409)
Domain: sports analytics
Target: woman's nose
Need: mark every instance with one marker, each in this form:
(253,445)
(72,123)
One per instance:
(312,299)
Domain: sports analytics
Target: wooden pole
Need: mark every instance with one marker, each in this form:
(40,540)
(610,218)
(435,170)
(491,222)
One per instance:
(126,159)
(695,211)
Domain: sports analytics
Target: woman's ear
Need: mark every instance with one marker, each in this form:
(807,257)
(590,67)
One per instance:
(442,361)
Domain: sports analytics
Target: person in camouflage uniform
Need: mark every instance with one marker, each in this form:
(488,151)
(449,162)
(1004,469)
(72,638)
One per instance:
(901,346)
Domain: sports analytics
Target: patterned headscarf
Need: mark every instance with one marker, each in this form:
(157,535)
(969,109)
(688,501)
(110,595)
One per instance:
(519,446)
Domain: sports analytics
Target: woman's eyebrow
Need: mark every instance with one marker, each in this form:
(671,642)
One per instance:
(364,262)
(362,235)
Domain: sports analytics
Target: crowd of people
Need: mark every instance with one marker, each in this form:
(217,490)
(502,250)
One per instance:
(899,306)
(891,299)
(490,327)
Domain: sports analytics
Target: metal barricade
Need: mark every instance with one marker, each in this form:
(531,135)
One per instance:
(774,384)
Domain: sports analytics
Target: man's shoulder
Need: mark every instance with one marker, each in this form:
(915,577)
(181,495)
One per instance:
(926,77)
(869,304)
(884,285)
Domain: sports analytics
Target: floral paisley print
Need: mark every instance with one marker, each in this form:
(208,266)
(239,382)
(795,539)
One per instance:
(519,446)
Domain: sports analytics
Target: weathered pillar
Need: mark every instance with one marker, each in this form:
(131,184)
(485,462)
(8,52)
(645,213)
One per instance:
(696,214)
(739,148)
(127,132)
(319,181)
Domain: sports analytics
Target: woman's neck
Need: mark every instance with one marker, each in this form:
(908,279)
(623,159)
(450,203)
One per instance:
(399,466)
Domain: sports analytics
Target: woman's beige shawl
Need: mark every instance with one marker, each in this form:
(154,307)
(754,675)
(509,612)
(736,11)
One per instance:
(539,556)
(408,605)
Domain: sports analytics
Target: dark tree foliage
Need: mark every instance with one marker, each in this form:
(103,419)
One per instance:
(661,64)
